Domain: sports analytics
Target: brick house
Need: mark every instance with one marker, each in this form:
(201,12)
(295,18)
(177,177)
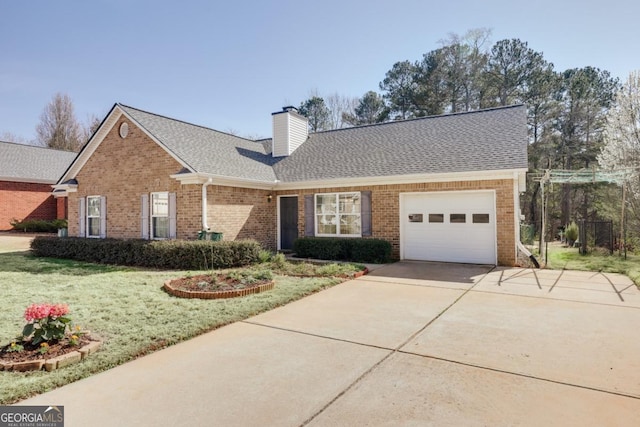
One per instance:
(26,175)
(442,188)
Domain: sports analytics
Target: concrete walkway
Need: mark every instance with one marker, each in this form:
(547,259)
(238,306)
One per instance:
(409,344)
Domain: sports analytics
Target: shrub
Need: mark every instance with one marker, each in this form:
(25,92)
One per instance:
(170,254)
(264,256)
(39,225)
(571,233)
(349,249)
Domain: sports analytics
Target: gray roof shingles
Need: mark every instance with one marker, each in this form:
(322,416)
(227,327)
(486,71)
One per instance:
(206,150)
(493,139)
(28,163)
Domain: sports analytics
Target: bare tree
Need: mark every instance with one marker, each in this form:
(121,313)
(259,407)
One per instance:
(622,146)
(338,106)
(12,137)
(58,127)
(92,125)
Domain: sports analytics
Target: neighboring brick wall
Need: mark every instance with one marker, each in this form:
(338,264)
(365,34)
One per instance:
(24,200)
(61,208)
(385,206)
(124,169)
(242,213)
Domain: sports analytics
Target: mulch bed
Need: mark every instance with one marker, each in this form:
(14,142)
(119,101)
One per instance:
(207,283)
(31,352)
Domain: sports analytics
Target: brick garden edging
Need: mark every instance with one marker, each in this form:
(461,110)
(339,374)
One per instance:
(54,363)
(216,294)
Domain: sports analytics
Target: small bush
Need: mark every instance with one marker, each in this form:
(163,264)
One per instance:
(39,225)
(279,260)
(169,254)
(571,233)
(348,249)
(264,256)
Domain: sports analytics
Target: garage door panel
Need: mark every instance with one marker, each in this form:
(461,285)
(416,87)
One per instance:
(446,241)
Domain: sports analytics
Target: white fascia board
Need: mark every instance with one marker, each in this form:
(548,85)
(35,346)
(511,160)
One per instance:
(100,135)
(66,189)
(27,180)
(403,179)
(203,178)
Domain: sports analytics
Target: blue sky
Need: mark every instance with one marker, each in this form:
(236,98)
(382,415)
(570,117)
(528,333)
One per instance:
(228,65)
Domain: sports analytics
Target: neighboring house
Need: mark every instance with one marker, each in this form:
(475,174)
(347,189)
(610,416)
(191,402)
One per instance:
(442,188)
(26,175)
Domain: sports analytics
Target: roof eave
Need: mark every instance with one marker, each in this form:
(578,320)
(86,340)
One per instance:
(482,175)
(27,180)
(63,190)
(227,181)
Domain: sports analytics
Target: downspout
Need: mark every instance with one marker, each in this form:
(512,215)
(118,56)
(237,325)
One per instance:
(205,225)
(527,253)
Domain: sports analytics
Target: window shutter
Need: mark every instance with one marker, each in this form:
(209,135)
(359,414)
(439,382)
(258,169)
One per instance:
(144,216)
(81,217)
(309,216)
(172,215)
(103,217)
(365,211)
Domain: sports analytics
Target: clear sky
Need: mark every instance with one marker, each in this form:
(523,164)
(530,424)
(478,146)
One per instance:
(229,65)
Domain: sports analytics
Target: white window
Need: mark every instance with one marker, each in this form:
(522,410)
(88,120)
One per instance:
(160,215)
(94,216)
(338,214)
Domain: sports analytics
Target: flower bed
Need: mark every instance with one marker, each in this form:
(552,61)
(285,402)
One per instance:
(218,286)
(47,341)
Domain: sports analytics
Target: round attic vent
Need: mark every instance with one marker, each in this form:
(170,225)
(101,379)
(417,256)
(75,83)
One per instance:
(124,130)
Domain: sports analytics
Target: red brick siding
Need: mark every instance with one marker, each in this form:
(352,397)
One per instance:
(385,207)
(124,169)
(61,208)
(23,200)
(242,213)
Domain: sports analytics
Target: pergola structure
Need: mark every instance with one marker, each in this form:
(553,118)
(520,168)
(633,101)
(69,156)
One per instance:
(581,176)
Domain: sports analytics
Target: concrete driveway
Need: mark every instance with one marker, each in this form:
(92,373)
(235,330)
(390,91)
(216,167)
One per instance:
(14,242)
(409,344)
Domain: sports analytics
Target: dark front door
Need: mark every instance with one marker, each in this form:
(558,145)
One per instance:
(288,222)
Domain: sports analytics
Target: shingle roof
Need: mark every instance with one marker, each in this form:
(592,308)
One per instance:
(28,163)
(207,150)
(492,139)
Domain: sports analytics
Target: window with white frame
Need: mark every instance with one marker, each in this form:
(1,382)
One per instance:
(93,216)
(338,214)
(160,215)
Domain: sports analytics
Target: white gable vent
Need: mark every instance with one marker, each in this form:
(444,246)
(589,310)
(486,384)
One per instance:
(290,130)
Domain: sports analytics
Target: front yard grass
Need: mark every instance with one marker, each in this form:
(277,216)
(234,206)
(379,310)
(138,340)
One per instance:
(570,259)
(126,307)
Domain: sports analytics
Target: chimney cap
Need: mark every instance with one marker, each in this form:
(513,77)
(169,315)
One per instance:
(290,108)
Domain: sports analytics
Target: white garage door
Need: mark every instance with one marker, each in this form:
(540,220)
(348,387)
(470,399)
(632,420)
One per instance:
(449,226)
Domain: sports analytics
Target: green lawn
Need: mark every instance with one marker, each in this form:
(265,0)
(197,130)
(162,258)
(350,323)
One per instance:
(570,259)
(124,306)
